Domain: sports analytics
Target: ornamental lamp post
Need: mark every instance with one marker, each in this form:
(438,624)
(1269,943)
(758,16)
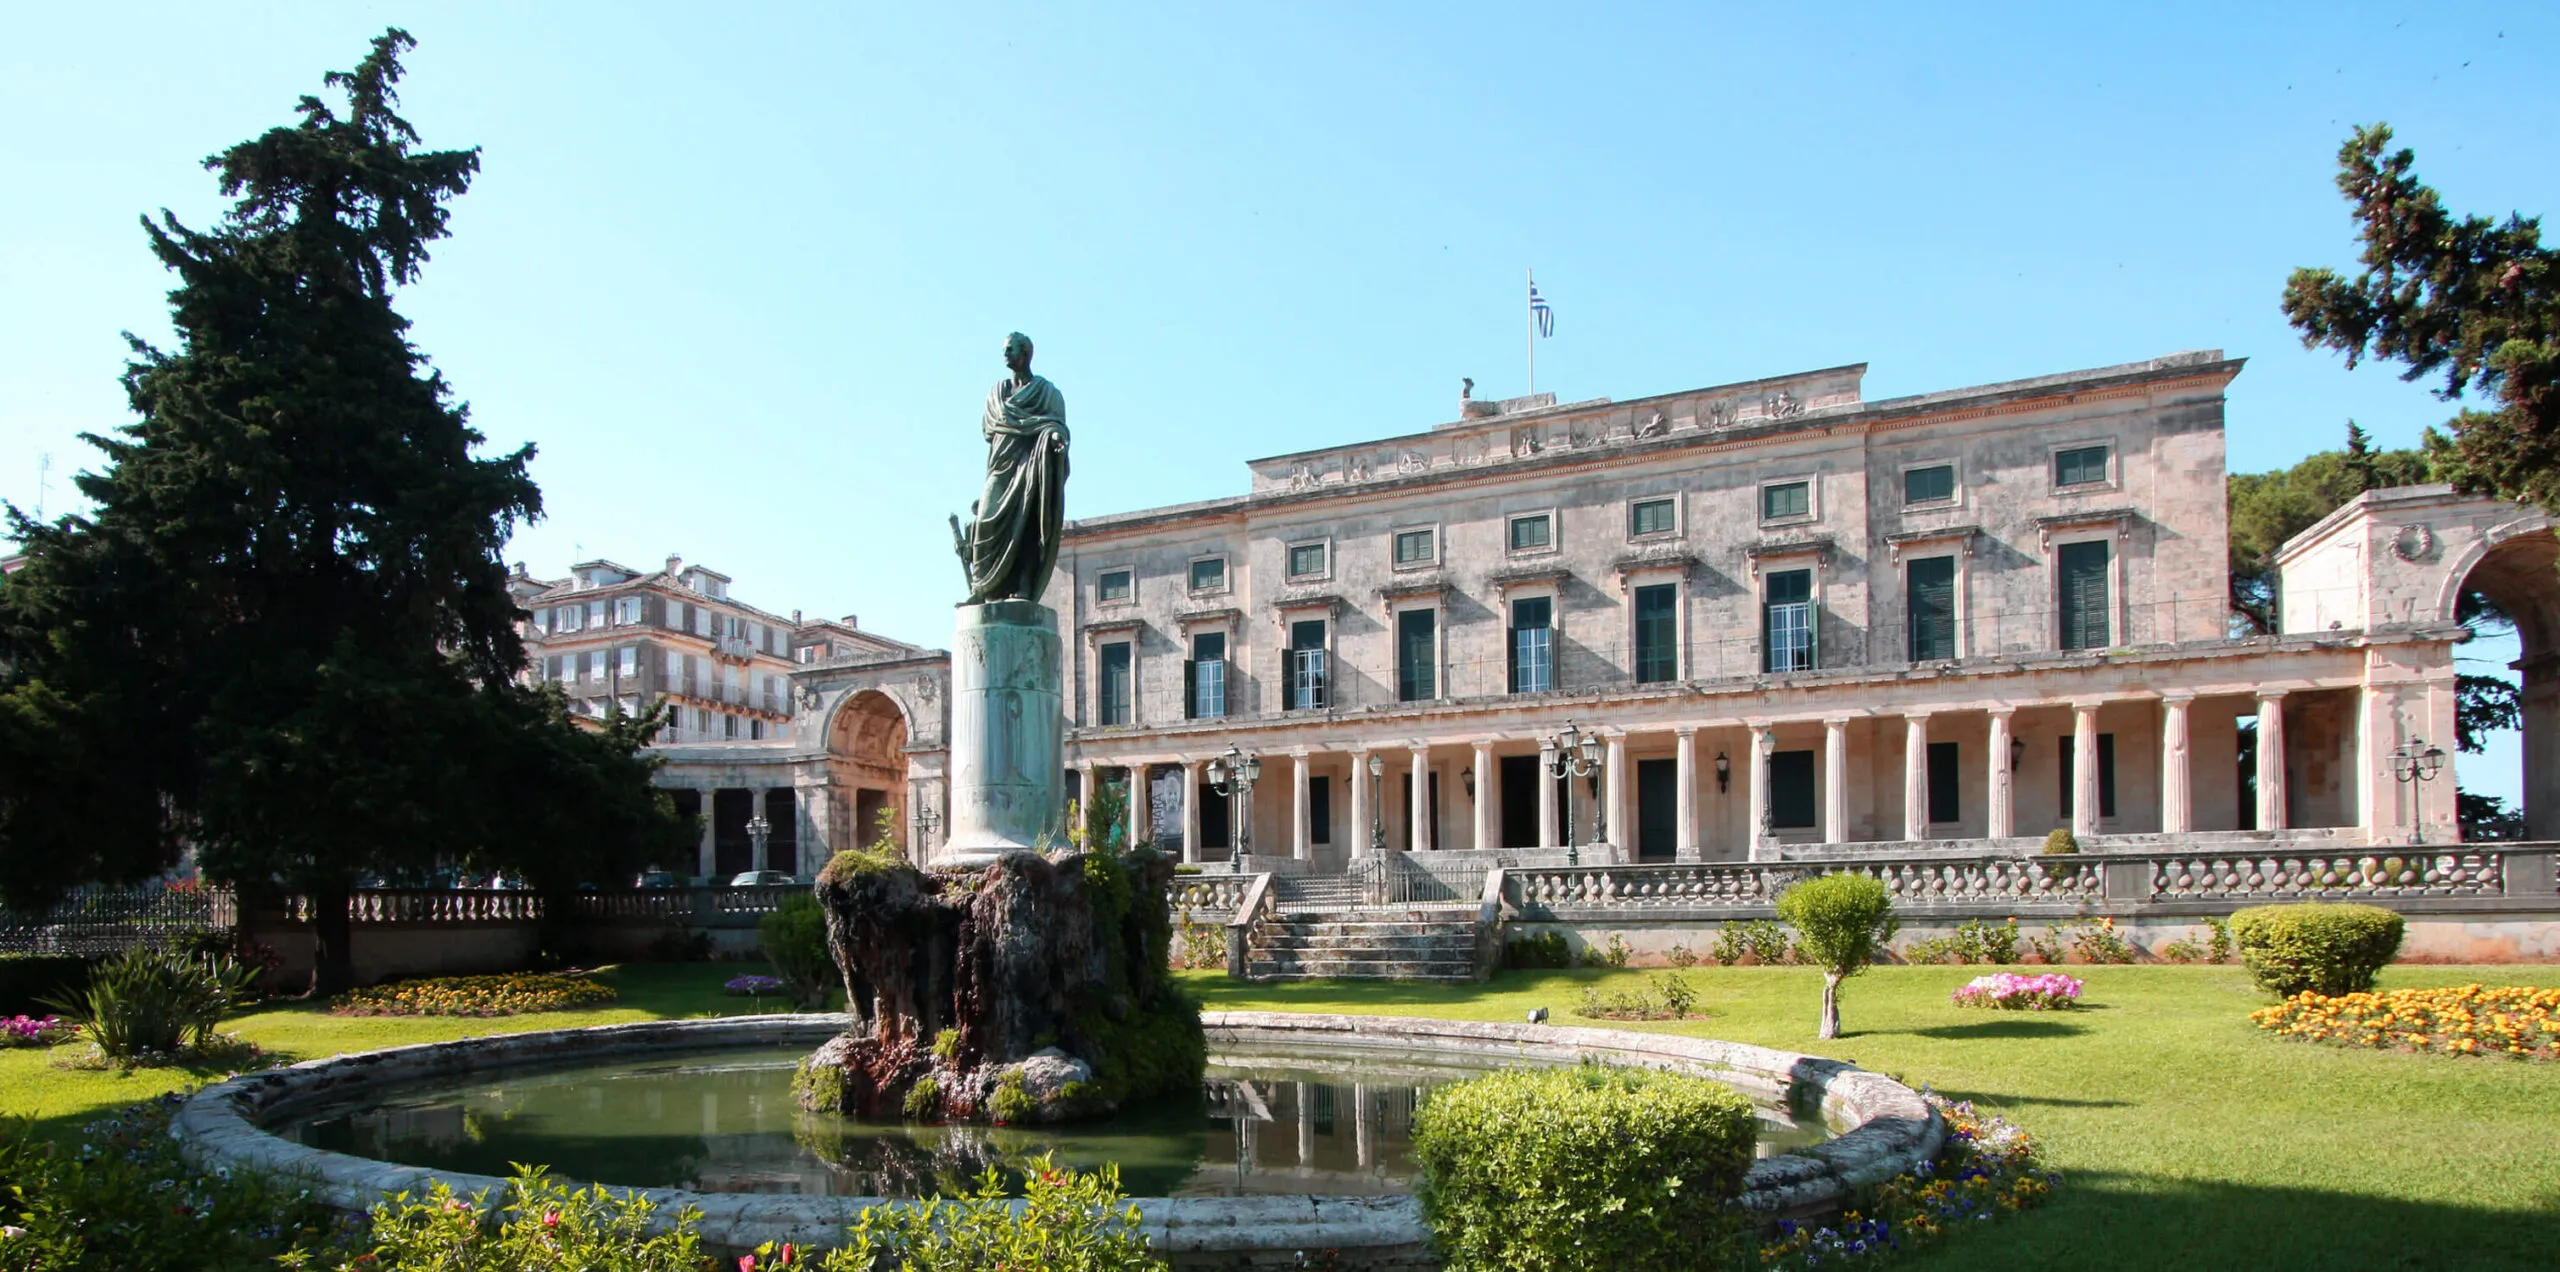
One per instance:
(2416,761)
(1377,815)
(1233,775)
(1571,754)
(758,830)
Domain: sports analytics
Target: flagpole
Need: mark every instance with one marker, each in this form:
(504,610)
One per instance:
(1532,316)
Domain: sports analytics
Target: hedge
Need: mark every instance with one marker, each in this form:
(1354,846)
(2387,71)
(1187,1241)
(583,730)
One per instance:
(1587,1169)
(2314,946)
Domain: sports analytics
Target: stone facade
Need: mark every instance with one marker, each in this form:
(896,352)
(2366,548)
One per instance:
(1793,617)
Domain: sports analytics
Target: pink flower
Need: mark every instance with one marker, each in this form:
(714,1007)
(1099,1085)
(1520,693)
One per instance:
(746,1263)
(550,1219)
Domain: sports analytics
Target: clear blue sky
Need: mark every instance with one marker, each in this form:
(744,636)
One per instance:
(742,272)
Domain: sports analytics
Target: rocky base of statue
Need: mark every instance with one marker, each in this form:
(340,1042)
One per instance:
(1033,989)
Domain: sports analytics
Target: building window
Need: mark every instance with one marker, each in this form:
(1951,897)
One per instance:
(1319,810)
(1944,763)
(1114,703)
(1209,574)
(629,662)
(1657,633)
(1533,644)
(1307,560)
(1933,608)
(1652,516)
(2081,593)
(1786,621)
(2106,773)
(1791,790)
(675,615)
(1934,484)
(1786,499)
(1307,665)
(1533,533)
(1417,655)
(1415,547)
(1114,585)
(2080,466)
(1205,676)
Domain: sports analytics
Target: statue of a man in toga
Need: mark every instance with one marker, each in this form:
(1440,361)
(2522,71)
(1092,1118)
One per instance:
(1011,541)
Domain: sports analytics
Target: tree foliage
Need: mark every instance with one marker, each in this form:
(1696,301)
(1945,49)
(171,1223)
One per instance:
(2266,509)
(283,635)
(2473,299)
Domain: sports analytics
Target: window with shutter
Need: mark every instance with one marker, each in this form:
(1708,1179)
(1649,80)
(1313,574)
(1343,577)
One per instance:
(1307,678)
(1933,608)
(1417,655)
(1205,676)
(1787,621)
(1533,644)
(2081,594)
(1116,683)
(1657,633)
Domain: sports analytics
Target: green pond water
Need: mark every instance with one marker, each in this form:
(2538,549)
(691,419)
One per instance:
(724,1121)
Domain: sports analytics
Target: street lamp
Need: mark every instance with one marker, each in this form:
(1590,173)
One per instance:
(758,829)
(1377,814)
(2416,761)
(1724,774)
(1571,754)
(1233,774)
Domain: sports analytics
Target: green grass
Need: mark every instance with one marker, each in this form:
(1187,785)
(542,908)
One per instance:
(2189,1139)
(58,1100)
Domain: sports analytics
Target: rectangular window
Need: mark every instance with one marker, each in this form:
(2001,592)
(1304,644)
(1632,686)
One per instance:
(1533,533)
(2106,773)
(1657,633)
(1651,516)
(701,621)
(630,661)
(2081,593)
(595,613)
(1533,644)
(1306,560)
(1206,692)
(1933,608)
(1319,810)
(1929,485)
(1944,760)
(1209,575)
(1113,585)
(1791,790)
(1414,547)
(1307,665)
(2080,466)
(1114,700)
(1786,499)
(675,615)
(1787,621)
(1417,655)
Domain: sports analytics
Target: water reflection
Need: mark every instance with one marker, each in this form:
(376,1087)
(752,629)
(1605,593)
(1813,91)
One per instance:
(726,1122)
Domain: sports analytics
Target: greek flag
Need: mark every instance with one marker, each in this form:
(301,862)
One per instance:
(1539,309)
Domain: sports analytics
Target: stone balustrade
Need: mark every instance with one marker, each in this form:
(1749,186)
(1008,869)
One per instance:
(1208,898)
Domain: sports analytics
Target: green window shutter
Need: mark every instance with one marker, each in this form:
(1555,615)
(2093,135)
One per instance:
(1933,608)
(1417,655)
(2081,594)
(1657,633)
(1791,790)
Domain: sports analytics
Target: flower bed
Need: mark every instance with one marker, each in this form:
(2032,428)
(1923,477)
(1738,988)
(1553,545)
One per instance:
(754,986)
(2462,1020)
(2009,991)
(36,1031)
(1990,1168)
(508,995)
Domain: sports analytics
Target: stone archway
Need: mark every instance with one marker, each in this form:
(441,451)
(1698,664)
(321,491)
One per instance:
(867,769)
(2517,565)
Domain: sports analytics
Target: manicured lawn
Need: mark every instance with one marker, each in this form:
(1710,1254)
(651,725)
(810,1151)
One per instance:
(58,1100)
(2189,1139)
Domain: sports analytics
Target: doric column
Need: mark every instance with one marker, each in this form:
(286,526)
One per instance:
(1360,846)
(2271,761)
(1614,780)
(1915,776)
(1764,741)
(1301,842)
(2177,802)
(710,846)
(2084,769)
(1191,811)
(1684,821)
(2000,819)
(1487,783)
(1547,837)
(1142,816)
(1418,836)
(1835,781)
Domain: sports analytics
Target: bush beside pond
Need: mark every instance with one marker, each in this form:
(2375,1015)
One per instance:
(1597,1169)
(2316,947)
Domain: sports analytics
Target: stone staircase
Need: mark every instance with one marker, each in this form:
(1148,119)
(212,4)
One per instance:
(1413,942)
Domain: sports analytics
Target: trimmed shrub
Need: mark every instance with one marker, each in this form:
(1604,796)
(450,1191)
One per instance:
(2061,843)
(795,942)
(1546,949)
(2316,947)
(1583,1170)
(1842,922)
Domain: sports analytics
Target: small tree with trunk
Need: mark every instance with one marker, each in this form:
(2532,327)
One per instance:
(1841,921)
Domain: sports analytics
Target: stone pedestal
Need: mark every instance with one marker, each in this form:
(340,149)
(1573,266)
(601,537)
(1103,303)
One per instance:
(1008,786)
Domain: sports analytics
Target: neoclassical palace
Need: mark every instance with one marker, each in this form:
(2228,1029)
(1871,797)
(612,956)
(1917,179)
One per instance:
(1778,619)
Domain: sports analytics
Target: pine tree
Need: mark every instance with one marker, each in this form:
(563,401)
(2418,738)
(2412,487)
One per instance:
(285,618)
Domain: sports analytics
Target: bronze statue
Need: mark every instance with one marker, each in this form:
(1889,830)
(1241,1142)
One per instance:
(1011,542)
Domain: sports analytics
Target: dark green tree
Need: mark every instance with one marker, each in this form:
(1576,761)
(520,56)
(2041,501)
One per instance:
(2269,508)
(2474,299)
(283,635)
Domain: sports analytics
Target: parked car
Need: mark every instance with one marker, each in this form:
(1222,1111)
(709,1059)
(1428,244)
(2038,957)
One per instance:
(657,879)
(760,878)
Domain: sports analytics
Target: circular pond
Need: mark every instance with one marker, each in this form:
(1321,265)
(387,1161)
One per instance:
(1267,1123)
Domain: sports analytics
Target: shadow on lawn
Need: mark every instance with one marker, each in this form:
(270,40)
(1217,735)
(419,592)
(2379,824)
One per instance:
(2020,1027)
